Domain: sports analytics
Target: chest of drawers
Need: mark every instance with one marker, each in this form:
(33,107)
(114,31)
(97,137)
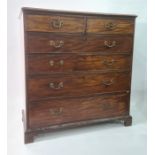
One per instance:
(78,69)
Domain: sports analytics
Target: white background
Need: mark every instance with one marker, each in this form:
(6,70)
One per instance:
(92,140)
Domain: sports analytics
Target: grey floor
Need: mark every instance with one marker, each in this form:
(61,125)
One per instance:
(104,139)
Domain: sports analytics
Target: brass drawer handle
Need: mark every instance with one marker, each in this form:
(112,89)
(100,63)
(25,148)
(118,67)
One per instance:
(57,23)
(61,63)
(57,43)
(108,82)
(110,44)
(110,26)
(56,86)
(56,112)
(51,62)
(109,62)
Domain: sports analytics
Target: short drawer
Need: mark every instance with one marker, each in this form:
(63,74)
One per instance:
(77,85)
(61,111)
(47,43)
(47,63)
(110,26)
(54,23)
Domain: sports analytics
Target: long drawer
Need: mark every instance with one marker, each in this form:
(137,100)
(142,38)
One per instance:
(49,43)
(49,63)
(59,111)
(77,85)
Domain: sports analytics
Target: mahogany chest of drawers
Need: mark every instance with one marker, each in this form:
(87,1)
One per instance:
(78,69)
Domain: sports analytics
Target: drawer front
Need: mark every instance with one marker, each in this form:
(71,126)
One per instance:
(110,26)
(55,112)
(46,43)
(55,23)
(46,64)
(77,85)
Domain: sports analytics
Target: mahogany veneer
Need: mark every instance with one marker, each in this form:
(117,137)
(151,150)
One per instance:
(42,43)
(78,69)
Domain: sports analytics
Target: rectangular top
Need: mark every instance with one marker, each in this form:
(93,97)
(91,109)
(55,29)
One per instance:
(48,11)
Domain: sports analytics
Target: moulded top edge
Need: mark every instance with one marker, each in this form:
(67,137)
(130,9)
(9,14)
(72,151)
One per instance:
(46,11)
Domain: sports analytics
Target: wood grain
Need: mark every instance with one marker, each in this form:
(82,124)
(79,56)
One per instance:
(77,85)
(78,69)
(43,23)
(99,25)
(49,63)
(40,43)
(78,109)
